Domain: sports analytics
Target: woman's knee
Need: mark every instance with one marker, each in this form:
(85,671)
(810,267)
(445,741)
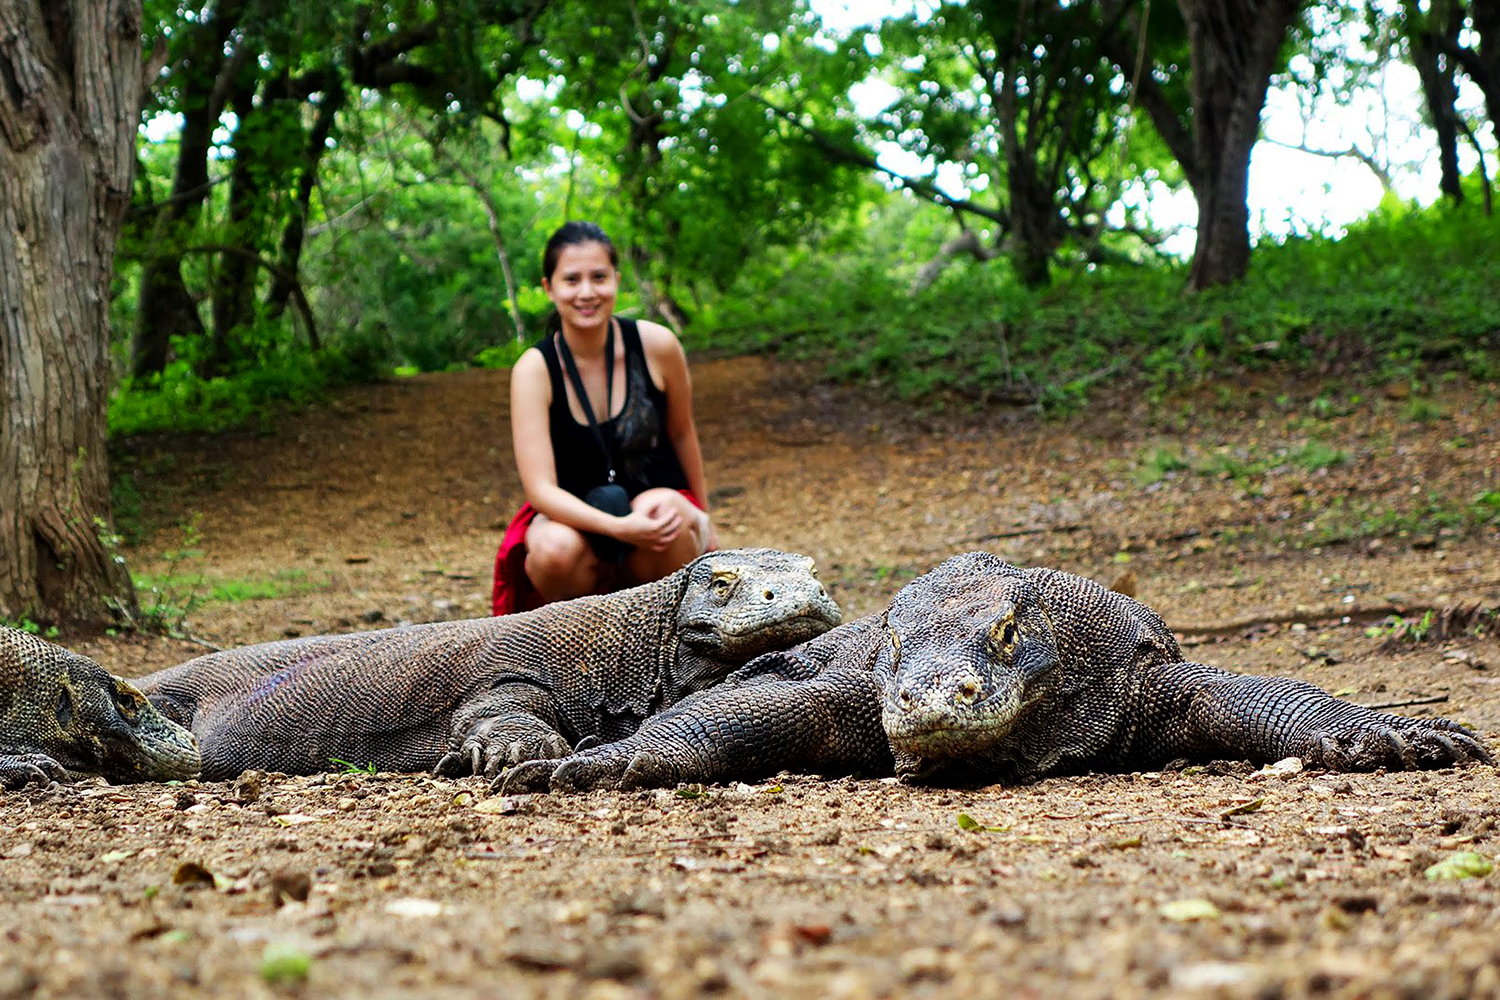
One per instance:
(559,560)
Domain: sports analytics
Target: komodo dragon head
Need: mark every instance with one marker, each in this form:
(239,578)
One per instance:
(969,649)
(740,603)
(67,707)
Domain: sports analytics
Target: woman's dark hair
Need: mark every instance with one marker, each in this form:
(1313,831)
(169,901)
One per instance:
(571,234)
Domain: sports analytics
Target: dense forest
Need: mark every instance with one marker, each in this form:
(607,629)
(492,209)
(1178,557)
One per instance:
(213,210)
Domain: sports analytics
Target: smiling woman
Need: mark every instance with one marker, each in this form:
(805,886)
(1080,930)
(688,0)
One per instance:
(608,454)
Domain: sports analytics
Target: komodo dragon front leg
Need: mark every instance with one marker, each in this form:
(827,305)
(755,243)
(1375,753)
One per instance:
(811,708)
(1192,710)
(827,724)
(513,723)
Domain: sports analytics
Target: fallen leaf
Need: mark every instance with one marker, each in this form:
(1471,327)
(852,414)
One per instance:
(1244,807)
(1184,910)
(1461,864)
(967,822)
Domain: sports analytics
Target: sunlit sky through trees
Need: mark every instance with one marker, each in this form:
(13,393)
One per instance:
(1291,191)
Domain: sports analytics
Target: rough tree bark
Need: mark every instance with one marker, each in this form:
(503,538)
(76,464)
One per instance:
(70,98)
(1233,47)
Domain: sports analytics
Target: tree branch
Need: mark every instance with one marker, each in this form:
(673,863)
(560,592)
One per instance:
(918,186)
(1354,151)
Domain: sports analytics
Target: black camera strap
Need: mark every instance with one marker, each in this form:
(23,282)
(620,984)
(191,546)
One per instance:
(582,393)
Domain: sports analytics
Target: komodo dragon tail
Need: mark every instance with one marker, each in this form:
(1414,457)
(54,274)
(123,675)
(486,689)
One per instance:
(62,715)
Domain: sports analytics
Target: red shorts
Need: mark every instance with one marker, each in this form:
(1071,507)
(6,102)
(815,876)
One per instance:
(513,590)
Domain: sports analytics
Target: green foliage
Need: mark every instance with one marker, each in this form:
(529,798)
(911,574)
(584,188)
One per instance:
(1343,520)
(346,767)
(31,627)
(167,602)
(179,399)
(1403,297)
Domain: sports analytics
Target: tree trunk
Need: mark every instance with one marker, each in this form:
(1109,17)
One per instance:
(1233,46)
(233,306)
(1484,67)
(68,111)
(296,228)
(1430,39)
(166,307)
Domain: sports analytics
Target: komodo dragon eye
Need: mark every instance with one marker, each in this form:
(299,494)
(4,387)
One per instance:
(723,585)
(127,704)
(1003,635)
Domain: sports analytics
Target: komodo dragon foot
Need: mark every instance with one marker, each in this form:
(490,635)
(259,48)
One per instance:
(618,766)
(30,769)
(1366,740)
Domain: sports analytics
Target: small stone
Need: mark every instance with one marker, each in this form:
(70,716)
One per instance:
(185,800)
(645,903)
(613,963)
(290,886)
(248,786)
(412,907)
(923,963)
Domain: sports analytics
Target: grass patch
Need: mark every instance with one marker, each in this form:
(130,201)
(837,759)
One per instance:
(1243,465)
(282,583)
(1343,520)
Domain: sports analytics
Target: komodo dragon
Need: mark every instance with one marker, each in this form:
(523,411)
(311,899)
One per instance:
(460,697)
(981,672)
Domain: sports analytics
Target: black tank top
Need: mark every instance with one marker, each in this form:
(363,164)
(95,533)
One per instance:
(644,456)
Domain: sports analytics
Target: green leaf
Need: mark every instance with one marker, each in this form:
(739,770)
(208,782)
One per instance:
(1461,864)
(967,822)
(284,964)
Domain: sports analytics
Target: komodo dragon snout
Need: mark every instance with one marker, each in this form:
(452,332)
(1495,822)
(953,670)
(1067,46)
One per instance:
(968,650)
(72,718)
(744,602)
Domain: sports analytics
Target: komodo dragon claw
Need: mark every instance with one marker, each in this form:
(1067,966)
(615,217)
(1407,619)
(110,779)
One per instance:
(30,769)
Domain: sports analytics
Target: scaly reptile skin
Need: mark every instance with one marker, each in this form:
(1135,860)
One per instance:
(460,697)
(981,672)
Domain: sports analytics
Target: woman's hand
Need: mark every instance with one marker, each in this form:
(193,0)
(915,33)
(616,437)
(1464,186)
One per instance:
(653,527)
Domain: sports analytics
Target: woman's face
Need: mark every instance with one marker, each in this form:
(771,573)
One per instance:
(583,286)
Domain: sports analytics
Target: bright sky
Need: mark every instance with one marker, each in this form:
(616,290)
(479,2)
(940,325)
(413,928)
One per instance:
(1290,191)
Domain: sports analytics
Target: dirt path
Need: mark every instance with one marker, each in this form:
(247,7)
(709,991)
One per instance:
(386,505)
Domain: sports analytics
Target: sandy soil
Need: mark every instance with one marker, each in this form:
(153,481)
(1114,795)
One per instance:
(386,505)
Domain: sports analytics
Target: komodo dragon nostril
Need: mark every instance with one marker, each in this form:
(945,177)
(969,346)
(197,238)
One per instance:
(966,693)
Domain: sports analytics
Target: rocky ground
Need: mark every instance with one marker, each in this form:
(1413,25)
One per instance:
(1278,529)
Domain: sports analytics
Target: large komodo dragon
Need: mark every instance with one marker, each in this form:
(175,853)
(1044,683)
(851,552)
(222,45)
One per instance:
(462,697)
(981,672)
